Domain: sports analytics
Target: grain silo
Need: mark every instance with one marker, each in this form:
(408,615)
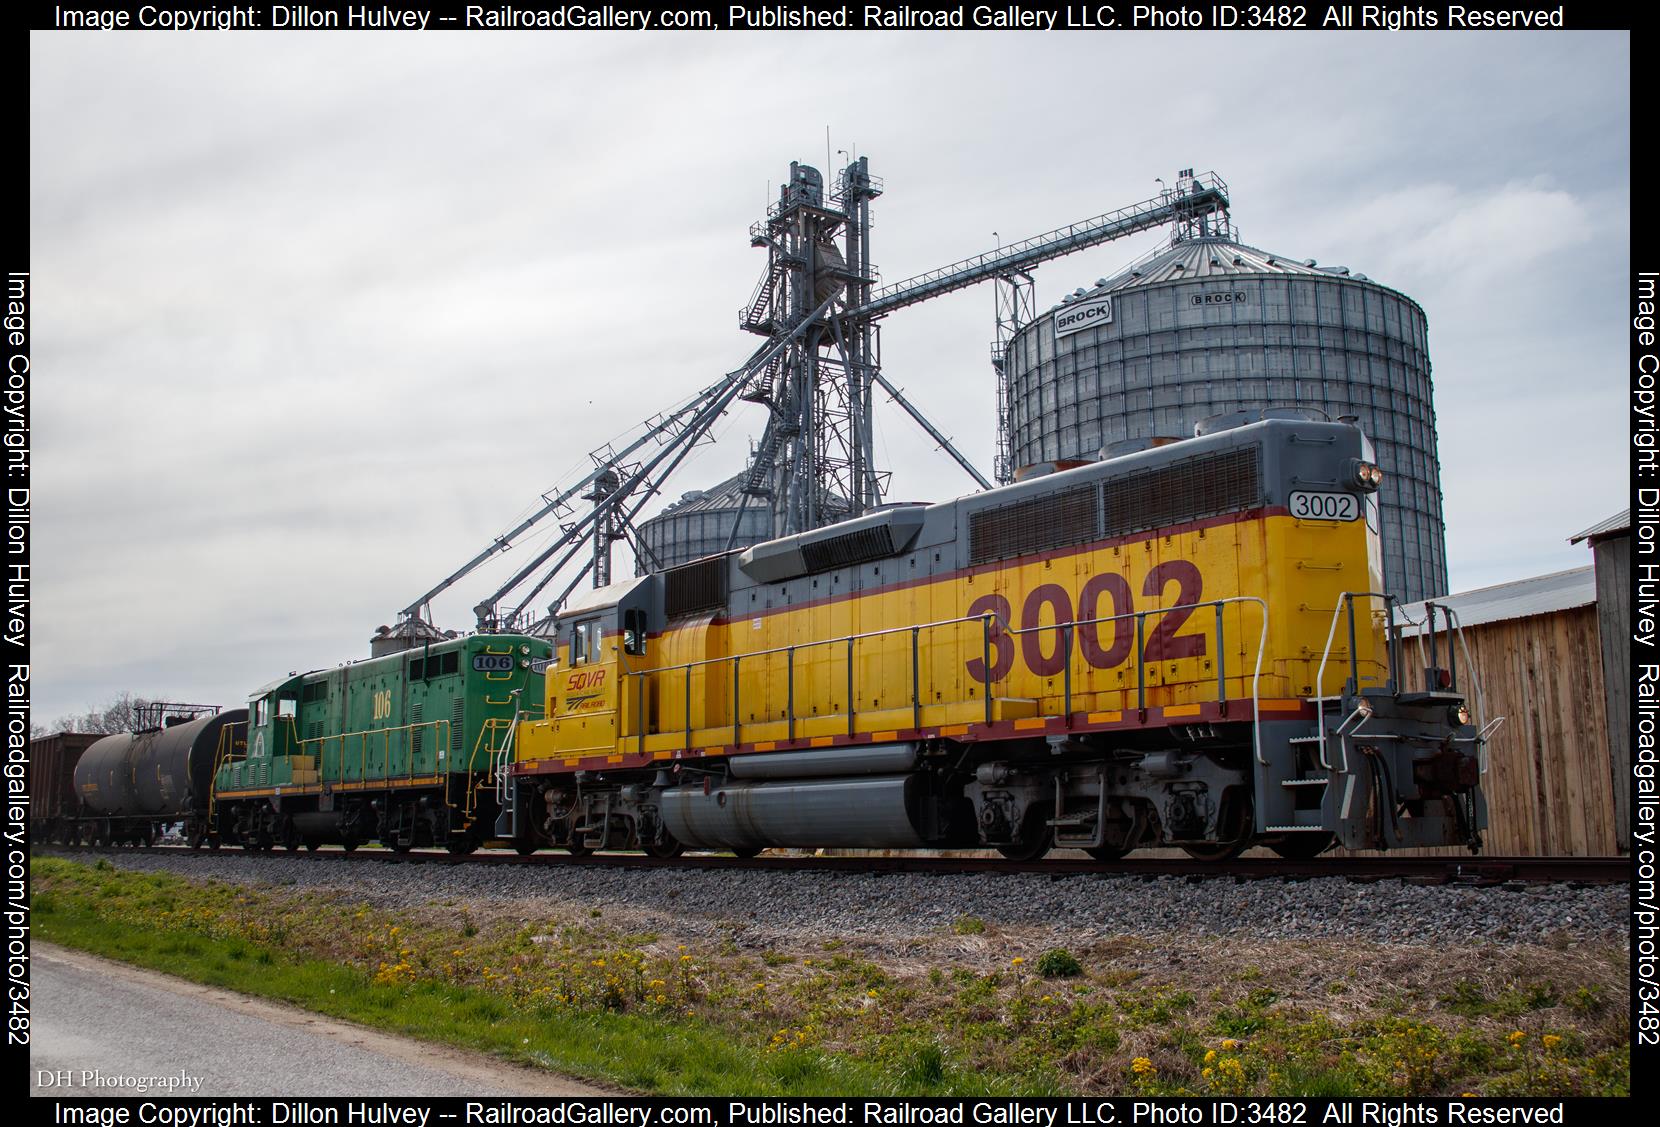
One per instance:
(700,524)
(1211,326)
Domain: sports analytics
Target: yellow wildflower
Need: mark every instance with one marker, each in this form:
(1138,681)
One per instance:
(1518,1037)
(1017,960)
(1141,1066)
(1550,1041)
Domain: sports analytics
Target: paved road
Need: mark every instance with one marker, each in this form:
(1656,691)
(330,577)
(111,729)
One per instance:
(113,1020)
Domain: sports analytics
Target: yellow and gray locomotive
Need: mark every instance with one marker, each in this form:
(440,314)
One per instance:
(1184,646)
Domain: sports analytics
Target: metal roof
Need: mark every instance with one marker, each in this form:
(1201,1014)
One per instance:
(1619,522)
(1215,258)
(1542,594)
(728,497)
(596,597)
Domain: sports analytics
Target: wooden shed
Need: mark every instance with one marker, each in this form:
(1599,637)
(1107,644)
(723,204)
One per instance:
(1534,648)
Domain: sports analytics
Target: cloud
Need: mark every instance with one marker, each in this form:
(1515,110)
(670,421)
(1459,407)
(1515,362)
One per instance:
(317,315)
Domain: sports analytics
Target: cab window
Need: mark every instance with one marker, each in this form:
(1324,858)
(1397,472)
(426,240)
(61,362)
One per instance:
(585,640)
(262,711)
(634,632)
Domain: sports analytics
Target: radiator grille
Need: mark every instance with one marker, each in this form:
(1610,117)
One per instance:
(455,724)
(1198,487)
(847,550)
(1034,525)
(697,586)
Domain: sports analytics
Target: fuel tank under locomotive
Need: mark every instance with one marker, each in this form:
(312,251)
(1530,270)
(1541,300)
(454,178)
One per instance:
(848,799)
(166,773)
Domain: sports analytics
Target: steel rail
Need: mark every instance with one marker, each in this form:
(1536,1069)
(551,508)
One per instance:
(1465,870)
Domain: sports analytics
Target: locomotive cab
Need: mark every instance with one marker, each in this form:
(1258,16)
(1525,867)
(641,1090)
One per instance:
(592,704)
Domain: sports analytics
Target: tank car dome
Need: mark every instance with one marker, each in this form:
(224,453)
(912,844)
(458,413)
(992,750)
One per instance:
(1211,326)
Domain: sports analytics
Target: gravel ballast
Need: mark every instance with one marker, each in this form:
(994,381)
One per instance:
(757,908)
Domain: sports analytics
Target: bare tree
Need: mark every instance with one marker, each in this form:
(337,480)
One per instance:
(119,715)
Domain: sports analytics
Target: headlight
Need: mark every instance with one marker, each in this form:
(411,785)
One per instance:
(1367,475)
(1459,714)
(524,649)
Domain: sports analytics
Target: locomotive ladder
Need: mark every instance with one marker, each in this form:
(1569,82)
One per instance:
(1335,732)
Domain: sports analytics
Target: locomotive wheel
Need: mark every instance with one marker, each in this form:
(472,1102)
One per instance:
(1302,847)
(577,848)
(1035,839)
(348,844)
(1215,854)
(1030,850)
(525,848)
(1117,840)
(1236,816)
(748,851)
(666,847)
(213,844)
(311,844)
(400,846)
(461,846)
(196,838)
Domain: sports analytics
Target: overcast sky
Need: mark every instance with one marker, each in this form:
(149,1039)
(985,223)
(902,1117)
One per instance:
(318,314)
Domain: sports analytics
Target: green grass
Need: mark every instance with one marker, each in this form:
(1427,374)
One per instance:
(190,931)
(972,1015)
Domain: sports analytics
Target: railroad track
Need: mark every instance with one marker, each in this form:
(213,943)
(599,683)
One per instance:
(1420,870)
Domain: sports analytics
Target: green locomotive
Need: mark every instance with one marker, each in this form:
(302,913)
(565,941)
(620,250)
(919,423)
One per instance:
(404,749)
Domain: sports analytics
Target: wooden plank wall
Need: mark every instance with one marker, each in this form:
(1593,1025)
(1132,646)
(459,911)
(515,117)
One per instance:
(1613,559)
(1549,785)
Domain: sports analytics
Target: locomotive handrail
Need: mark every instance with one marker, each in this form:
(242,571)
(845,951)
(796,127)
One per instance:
(1141,655)
(1352,685)
(986,620)
(222,756)
(1487,727)
(493,754)
(687,666)
(363,746)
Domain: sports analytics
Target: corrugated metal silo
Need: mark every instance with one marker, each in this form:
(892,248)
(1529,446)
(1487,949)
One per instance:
(700,523)
(1212,326)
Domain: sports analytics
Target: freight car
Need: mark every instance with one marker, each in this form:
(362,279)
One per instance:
(54,811)
(134,786)
(1184,646)
(400,749)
